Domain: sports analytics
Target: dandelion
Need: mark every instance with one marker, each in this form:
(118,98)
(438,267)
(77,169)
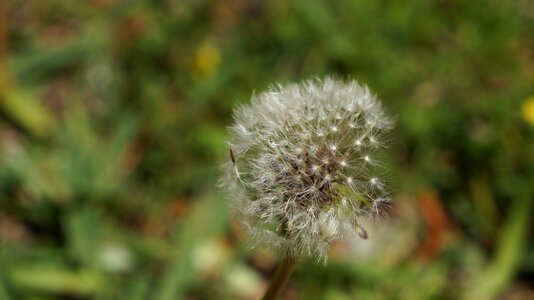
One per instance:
(527,109)
(303,169)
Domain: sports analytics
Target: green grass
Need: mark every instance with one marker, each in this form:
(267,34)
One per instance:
(112,129)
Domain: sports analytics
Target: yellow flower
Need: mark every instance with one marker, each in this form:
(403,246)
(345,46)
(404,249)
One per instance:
(207,59)
(527,109)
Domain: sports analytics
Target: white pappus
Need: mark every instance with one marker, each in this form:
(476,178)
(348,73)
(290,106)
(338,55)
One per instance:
(303,169)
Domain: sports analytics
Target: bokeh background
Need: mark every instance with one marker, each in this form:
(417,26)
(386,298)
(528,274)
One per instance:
(112,130)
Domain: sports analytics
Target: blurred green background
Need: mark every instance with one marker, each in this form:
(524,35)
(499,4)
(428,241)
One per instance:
(112,128)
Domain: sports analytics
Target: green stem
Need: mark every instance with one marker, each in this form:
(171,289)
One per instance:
(280,278)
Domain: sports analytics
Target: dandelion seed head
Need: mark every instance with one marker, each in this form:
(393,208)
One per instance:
(300,176)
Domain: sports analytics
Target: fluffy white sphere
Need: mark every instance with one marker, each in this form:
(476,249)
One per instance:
(303,169)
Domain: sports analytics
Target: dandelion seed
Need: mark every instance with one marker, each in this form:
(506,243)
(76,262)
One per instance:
(374,181)
(362,233)
(290,183)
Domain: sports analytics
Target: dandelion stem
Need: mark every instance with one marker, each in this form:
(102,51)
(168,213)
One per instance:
(284,270)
